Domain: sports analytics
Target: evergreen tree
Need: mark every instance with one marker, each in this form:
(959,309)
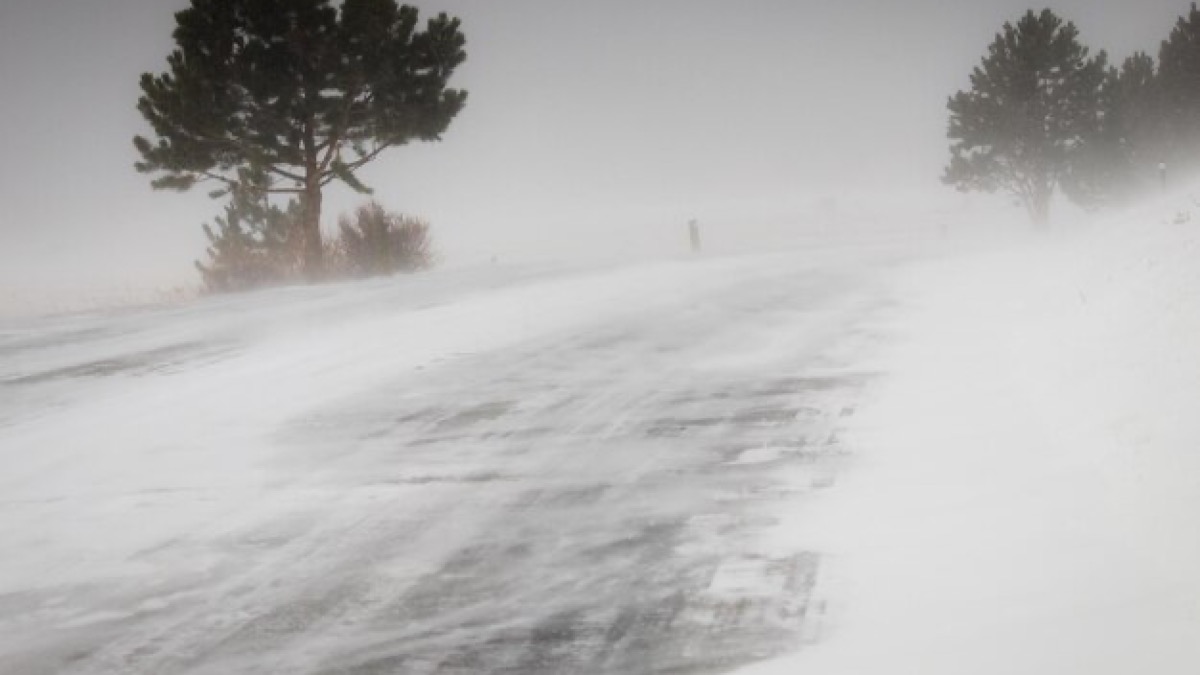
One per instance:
(292,95)
(255,244)
(1121,160)
(1179,77)
(1034,101)
(1138,107)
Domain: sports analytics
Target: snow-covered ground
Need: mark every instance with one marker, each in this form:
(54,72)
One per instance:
(884,455)
(524,470)
(1026,495)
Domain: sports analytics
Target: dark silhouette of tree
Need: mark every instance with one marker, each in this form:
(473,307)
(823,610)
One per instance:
(1179,79)
(1121,161)
(1034,101)
(288,96)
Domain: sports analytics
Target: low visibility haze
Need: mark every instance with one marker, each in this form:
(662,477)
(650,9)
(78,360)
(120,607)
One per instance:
(588,125)
(678,354)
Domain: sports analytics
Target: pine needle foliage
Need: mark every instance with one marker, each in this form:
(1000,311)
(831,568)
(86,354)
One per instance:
(1179,82)
(1034,102)
(255,244)
(295,95)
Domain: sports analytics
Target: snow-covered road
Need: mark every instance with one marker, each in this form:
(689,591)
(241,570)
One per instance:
(489,472)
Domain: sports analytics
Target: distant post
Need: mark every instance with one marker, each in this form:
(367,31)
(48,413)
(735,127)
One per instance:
(694,234)
(1162,174)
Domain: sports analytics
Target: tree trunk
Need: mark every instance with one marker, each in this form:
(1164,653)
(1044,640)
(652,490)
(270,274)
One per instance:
(314,246)
(1038,205)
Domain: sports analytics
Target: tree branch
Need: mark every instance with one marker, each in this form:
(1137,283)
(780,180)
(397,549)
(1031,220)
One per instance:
(358,163)
(334,144)
(286,174)
(212,176)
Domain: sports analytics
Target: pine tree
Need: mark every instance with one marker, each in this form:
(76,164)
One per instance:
(293,95)
(1121,160)
(1034,101)
(255,244)
(1140,112)
(1179,77)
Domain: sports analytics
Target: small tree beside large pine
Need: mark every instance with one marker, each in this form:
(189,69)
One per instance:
(254,244)
(1034,102)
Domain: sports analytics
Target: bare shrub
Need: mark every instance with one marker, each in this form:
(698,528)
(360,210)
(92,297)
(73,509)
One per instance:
(375,242)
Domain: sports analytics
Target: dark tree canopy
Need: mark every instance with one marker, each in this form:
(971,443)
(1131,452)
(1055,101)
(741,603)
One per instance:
(1134,106)
(1179,79)
(1034,101)
(1120,161)
(292,95)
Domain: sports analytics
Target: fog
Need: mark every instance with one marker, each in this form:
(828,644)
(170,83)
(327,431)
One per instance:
(589,126)
(860,423)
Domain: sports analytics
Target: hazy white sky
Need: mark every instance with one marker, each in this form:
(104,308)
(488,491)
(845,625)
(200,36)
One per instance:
(582,115)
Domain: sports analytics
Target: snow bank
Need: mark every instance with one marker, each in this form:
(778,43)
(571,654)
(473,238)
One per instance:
(1026,497)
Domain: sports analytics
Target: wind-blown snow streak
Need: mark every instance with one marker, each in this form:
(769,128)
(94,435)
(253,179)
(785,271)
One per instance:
(493,471)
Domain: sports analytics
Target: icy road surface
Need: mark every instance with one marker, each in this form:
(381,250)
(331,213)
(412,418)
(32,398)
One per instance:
(488,472)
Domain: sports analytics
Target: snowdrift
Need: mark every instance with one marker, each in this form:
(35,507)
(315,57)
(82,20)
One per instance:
(1027,495)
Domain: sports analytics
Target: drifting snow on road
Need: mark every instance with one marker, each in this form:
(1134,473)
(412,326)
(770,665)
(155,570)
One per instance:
(474,474)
